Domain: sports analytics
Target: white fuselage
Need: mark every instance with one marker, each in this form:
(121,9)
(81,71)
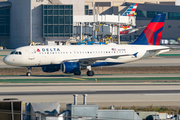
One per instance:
(47,55)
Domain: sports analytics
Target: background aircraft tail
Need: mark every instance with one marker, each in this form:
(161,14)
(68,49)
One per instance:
(131,10)
(153,32)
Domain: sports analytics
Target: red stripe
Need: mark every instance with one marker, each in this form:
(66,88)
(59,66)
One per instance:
(134,9)
(130,15)
(124,32)
(136,4)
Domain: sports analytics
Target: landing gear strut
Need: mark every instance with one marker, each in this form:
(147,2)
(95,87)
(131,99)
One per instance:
(29,71)
(90,72)
(77,73)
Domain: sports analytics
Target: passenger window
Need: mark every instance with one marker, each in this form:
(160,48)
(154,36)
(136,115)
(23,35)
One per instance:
(20,53)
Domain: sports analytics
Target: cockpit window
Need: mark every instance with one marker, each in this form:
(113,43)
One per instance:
(13,52)
(16,52)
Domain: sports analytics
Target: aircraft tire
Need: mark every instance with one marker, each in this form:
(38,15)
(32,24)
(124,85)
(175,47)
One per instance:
(90,73)
(28,74)
(77,73)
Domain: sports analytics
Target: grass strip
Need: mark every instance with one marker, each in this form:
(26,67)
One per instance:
(64,80)
(168,55)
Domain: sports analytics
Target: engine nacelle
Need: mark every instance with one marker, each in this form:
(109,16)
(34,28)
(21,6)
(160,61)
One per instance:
(71,67)
(50,69)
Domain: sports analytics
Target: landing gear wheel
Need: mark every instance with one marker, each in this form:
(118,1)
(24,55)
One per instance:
(28,74)
(77,73)
(29,71)
(90,73)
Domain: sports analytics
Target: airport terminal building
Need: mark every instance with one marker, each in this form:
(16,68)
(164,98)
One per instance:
(52,20)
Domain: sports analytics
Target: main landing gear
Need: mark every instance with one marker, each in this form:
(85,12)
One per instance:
(90,72)
(29,71)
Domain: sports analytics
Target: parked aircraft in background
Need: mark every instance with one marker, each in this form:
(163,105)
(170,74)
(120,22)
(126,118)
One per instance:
(131,10)
(74,58)
(124,30)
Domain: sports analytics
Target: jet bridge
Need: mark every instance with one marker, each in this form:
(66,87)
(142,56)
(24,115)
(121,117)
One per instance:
(89,25)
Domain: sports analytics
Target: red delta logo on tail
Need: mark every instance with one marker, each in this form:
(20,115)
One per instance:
(153,32)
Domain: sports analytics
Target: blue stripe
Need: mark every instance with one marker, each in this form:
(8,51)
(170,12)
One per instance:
(97,64)
(155,35)
(142,40)
(159,18)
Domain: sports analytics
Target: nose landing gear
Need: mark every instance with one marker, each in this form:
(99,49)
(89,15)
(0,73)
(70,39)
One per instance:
(29,71)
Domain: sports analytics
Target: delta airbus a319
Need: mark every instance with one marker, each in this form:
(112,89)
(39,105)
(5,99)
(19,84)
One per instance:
(74,58)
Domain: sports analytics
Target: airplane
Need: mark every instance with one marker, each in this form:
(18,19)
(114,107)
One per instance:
(131,10)
(74,58)
(124,30)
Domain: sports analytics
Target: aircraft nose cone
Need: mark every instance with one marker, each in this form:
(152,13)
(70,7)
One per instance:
(6,60)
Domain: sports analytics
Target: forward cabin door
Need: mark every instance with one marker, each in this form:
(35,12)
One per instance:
(31,54)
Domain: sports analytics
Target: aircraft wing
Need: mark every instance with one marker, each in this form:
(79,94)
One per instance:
(89,61)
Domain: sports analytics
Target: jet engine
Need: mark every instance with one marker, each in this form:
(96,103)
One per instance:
(50,69)
(71,67)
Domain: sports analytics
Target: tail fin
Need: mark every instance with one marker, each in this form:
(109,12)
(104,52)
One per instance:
(131,10)
(153,32)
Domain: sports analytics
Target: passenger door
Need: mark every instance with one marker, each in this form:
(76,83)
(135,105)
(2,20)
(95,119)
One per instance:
(31,54)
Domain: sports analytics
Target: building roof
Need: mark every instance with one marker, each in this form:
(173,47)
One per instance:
(53,2)
(5,4)
(159,8)
(155,7)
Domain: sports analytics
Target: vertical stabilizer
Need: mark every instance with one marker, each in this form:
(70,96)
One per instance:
(131,10)
(153,32)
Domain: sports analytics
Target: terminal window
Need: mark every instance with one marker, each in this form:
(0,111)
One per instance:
(86,8)
(57,20)
(151,14)
(5,22)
